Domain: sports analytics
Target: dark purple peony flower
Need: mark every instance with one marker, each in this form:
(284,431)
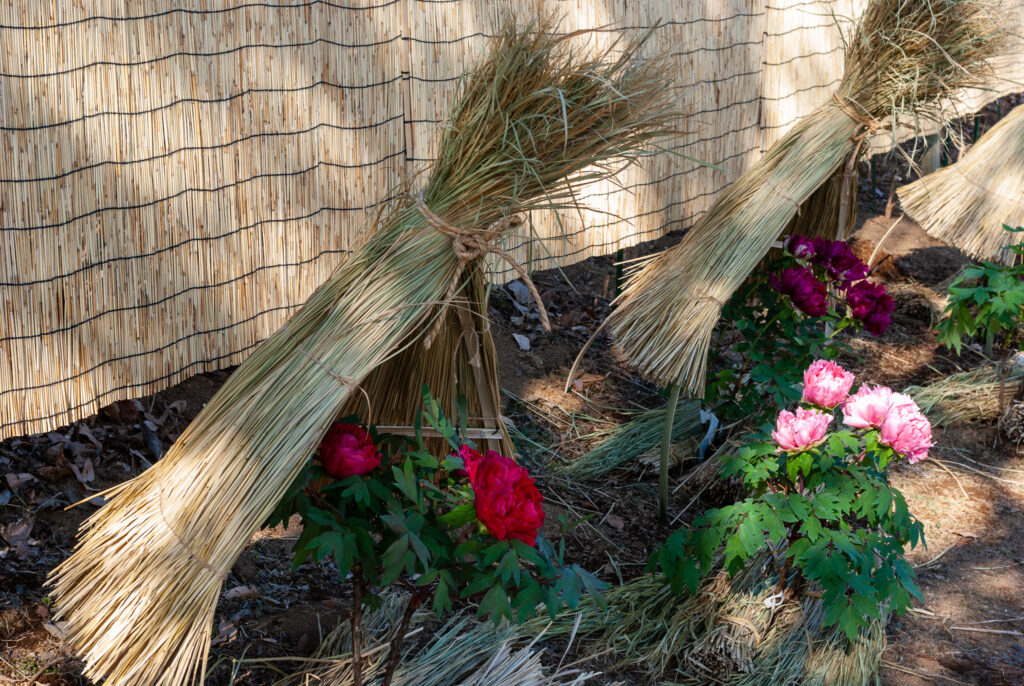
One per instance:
(871,305)
(800,246)
(840,261)
(803,288)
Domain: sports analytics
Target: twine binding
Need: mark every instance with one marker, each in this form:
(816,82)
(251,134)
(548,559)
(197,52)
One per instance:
(867,124)
(470,245)
(182,543)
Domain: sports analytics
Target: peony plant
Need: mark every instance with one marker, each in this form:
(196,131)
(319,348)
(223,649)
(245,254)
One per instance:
(785,317)
(820,496)
(465,525)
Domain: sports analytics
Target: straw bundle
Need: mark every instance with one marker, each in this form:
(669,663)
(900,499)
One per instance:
(140,590)
(820,214)
(631,439)
(967,203)
(902,59)
(725,634)
(979,395)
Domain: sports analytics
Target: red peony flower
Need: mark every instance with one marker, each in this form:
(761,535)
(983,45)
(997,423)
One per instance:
(803,288)
(347,449)
(872,305)
(800,246)
(505,498)
(841,262)
(470,459)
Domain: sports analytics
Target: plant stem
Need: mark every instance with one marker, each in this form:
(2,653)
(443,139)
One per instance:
(396,642)
(666,450)
(783,574)
(357,615)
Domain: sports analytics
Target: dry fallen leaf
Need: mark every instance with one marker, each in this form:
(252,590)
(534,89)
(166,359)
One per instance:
(17,480)
(226,632)
(57,629)
(84,473)
(17,535)
(84,431)
(615,521)
(239,593)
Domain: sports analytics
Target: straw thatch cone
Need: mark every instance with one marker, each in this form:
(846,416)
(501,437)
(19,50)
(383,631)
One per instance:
(967,203)
(903,58)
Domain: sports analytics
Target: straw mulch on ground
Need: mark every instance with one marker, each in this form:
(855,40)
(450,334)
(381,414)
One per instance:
(729,632)
(978,395)
(460,652)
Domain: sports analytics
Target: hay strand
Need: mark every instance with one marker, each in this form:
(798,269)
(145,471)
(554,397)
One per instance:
(140,590)
(967,203)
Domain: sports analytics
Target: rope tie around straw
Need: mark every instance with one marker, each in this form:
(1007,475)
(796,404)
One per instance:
(475,244)
(180,540)
(866,124)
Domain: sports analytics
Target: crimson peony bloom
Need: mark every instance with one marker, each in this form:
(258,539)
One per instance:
(826,384)
(839,260)
(505,498)
(347,450)
(803,288)
(907,431)
(795,433)
(800,246)
(870,303)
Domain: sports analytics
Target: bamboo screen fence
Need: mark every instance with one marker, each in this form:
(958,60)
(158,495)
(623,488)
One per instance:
(176,176)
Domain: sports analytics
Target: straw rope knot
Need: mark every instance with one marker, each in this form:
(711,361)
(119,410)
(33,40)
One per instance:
(867,124)
(470,245)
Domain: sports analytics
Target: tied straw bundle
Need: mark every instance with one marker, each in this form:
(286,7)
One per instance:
(967,203)
(904,58)
(534,117)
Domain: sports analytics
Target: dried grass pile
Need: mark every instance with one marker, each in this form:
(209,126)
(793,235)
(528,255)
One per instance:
(903,59)
(461,652)
(139,592)
(967,203)
(979,395)
(627,441)
(725,634)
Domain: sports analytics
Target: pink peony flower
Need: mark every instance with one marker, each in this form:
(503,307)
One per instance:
(348,450)
(805,291)
(826,384)
(866,409)
(907,431)
(797,432)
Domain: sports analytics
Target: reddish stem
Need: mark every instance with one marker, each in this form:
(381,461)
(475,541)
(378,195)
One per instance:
(396,642)
(357,614)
